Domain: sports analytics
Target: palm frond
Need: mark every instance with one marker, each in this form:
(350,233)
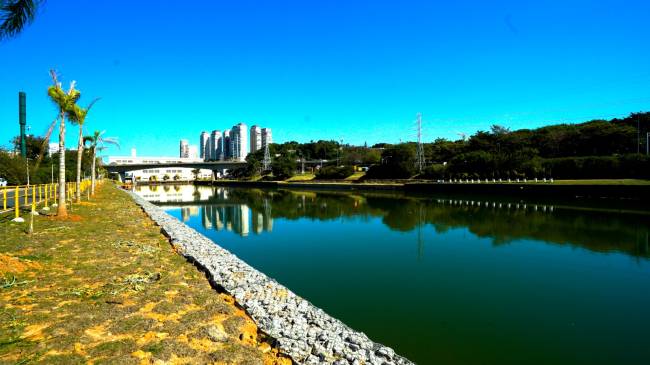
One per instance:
(90,105)
(15,15)
(111,140)
(46,142)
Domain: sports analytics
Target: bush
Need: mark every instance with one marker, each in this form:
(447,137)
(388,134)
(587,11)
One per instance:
(334,172)
(598,167)
(283,168)
(388,172)
(436,171)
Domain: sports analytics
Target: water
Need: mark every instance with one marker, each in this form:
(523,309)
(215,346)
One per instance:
(447,280)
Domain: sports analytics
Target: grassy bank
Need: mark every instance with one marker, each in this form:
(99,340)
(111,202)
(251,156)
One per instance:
(104,286)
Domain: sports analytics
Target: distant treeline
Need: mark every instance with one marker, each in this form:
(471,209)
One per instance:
(595,149)
(13,167)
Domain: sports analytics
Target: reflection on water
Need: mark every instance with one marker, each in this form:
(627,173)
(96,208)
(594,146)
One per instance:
(242,210)
(517,282)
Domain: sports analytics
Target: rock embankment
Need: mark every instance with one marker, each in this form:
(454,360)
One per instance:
(302,331)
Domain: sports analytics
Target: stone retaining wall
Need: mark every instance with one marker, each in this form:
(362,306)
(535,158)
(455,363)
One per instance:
(302,331)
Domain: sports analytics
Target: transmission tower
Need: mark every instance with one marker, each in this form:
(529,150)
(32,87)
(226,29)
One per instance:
(419,157)
(267,158)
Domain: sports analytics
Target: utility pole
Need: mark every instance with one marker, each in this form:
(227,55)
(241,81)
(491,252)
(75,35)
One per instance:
(419,158)
(638,135)
(22,120)
(647,143)
(23,148)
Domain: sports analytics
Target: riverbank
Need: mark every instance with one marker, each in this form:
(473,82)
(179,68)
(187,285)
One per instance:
(105,285)
(301,330)
(568,189)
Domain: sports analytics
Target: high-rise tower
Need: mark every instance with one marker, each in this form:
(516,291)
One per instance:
(255,138)
(204,146)
(184,150)
(239,142)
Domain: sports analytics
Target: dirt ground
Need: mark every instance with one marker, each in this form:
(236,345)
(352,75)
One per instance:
(105,287)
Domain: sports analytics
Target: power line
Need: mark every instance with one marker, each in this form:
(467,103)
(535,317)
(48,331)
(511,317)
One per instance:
(419,158)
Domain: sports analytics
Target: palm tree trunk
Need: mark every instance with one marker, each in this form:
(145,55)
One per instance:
(61,208)
(92,177)
(80,150)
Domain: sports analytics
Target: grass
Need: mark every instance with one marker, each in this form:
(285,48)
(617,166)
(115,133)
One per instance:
(356,176)
(106,287)
(301,177)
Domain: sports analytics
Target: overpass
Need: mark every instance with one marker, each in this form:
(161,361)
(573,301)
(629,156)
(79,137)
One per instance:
(220,166)
(210,165)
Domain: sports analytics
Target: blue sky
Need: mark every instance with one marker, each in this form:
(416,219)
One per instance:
(352,70)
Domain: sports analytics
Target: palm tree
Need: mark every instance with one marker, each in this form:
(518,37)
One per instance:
(77,115)
(15,15)
(64,102)
(96,142)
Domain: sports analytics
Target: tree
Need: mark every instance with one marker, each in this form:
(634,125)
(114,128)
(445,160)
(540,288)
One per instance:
(64,102)
(15,15)
(196,173)
(77,115)
(283,167)
(398,162)
(96,142)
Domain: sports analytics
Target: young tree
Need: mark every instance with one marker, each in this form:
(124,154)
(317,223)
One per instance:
(196,173)
(64,102)
(96,142)
(77,115)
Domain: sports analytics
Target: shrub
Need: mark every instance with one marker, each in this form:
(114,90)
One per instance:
(334,172)
(436,171)
(283,168)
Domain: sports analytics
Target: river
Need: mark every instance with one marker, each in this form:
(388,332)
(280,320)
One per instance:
(442,279)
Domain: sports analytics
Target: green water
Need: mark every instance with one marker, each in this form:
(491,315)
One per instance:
(448,280)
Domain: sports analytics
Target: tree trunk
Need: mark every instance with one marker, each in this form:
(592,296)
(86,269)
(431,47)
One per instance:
(61,208)
(92,177)
(80,150)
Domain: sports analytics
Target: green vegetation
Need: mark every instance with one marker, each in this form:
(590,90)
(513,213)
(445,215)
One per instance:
(13,166)
(595,149)
(96,143)
(104,285)
(15,15)
(77,115)
(334,172)
(64,101)
(598,149)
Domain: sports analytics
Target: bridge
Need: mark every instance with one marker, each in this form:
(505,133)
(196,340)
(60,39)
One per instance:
(210,165)
(207,165)
(220,166)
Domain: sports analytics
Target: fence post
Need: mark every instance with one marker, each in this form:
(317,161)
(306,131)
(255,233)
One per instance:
(33,198)
(26,195)
(16,203)
(45,188)
(4,199)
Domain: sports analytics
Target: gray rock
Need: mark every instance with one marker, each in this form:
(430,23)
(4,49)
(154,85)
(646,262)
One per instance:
(301,330)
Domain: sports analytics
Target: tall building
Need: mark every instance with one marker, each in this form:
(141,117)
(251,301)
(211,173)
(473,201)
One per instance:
(215,145)
(204,146)
(239,142)
(193,151)
(184,149)
(226,145)
(267,137)
(255,138)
